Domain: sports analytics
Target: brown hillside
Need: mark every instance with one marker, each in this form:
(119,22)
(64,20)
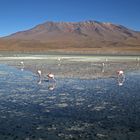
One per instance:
(85,37)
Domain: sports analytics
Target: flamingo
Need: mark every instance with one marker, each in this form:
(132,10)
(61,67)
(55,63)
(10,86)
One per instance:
(106,60)
(40,79)
(22,65)
(39,73)
(120,72)
(50,76)
(138,59)
(103,64)
(121,77)
(59,59)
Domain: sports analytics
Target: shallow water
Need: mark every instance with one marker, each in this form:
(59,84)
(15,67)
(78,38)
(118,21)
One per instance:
(70,108)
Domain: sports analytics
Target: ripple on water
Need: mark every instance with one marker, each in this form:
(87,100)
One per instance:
(75,109)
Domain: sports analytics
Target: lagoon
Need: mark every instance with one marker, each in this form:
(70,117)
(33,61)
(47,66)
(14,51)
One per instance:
(86,102)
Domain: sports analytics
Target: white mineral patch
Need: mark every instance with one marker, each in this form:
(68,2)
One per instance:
(101,135)
(98,108)
(80,99)
(40,127)
(62,105)
(51,97)
(78,104)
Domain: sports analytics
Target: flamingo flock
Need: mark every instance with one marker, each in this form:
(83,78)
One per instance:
(51,77)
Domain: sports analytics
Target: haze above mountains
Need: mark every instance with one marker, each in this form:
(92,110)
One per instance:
(81,37)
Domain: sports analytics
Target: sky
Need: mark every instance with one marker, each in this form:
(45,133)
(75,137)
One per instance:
(18,15)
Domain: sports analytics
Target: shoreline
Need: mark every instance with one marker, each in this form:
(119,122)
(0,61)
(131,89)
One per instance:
(76,67)
(90,58)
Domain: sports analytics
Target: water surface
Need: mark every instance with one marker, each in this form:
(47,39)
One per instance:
(70,108)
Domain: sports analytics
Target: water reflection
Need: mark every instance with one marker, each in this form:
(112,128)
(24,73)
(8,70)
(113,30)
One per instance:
(121,79)
(39,82)
(52,86)
(76,109)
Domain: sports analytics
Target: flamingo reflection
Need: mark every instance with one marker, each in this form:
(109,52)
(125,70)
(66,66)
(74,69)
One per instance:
(52,86)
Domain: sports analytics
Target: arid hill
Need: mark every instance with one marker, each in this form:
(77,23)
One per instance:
(83,37)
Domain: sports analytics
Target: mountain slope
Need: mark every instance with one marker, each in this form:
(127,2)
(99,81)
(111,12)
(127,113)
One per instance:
(74,36)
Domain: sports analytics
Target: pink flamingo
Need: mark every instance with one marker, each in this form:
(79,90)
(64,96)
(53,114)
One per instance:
(121,77)
(51,76)
(120,72)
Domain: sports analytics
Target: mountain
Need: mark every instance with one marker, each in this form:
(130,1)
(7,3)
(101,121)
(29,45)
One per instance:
(84,37)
